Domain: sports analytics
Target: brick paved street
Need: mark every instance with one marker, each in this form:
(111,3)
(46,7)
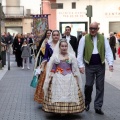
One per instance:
(16,98)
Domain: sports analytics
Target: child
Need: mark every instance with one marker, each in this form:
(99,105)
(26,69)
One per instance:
(25,54)
(62,92)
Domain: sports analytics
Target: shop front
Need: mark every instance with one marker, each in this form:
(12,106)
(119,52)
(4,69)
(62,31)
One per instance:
(104,12)
(76,27)
(21,26)
(13,26)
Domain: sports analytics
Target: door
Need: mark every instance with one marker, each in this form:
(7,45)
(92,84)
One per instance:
(114,27)
(76,27)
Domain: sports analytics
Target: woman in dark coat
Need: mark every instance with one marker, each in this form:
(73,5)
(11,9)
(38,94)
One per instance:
(17,49)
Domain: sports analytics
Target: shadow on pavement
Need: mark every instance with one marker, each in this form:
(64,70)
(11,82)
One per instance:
(64,117)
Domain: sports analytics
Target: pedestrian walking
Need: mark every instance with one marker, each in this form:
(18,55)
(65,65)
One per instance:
(30,42)
(71,39)
(9,40)
(92,51)
(49,48)
(17,49)
(112,42)
(25,54)
(62,91)
(118,51)
(41,47)
(2,56)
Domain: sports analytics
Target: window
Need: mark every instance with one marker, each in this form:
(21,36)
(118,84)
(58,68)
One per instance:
(73,5)
(56,5)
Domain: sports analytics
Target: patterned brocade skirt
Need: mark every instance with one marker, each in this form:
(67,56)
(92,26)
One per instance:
(39,93)
(63,107)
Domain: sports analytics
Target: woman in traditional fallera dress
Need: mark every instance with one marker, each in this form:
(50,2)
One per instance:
(62,93)
(54,38)
(41,47)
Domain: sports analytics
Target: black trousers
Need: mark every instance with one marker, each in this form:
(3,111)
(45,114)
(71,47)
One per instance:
(113,51)
(18,58)
(95,74)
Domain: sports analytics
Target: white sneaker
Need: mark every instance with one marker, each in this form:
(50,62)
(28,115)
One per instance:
(28,68)
(22,68)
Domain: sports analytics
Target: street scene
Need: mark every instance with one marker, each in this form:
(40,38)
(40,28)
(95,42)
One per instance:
(59,60)
(17,97)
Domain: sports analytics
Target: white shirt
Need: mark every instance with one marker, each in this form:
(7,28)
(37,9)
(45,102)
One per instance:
(68,38)
(116,40)
(108,52)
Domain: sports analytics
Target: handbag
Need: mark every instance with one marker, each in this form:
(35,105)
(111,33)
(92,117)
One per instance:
(34,81)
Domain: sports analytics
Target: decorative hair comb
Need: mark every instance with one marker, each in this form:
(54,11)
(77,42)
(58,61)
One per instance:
(63,39)
(56,31)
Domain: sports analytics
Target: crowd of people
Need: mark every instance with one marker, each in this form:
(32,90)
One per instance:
(21,45)
(58,88)
(22,48)
(61,60)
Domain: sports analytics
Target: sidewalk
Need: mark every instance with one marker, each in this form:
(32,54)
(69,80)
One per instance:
(16,98)
(113,78)
(5,68)
(3,71)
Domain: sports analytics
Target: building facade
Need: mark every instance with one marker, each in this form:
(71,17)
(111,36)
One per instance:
(18,13)
(73,12)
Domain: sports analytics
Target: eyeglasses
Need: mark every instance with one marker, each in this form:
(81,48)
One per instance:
(91,28)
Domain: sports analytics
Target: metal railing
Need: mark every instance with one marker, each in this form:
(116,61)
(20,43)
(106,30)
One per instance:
(15,11)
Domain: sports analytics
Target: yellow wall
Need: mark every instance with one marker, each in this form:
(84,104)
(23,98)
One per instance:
(27,25)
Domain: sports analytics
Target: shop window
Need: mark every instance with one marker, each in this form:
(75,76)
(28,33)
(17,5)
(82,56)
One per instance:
(73,5)
(56,5)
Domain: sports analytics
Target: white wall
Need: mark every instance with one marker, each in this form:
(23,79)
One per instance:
(102,12)
(12,2)
(34,5)
(3,2)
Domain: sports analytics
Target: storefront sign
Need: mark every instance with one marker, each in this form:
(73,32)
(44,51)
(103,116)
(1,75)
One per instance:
(72,14)
(13,23)
(112,12)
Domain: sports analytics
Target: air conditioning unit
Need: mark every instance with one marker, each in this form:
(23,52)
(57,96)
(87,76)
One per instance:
(28,12)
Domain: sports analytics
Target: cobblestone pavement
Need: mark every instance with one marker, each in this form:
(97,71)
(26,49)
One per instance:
(16,99)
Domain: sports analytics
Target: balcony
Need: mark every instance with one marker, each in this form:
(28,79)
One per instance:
(13,11)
